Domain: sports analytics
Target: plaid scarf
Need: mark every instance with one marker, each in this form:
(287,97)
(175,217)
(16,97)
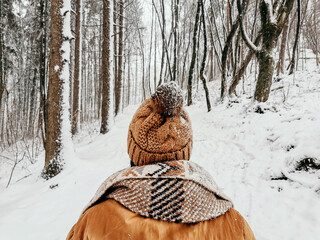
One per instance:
(174,191)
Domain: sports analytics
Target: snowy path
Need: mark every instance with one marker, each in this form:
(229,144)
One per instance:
(240,148)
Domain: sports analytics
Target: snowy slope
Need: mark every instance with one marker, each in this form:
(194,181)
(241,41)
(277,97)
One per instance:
(244,146)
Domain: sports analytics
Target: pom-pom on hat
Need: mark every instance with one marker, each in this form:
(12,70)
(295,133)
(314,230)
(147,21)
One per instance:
(160,129)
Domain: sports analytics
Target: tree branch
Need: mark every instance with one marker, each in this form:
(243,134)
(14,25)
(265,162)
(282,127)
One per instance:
(245,37)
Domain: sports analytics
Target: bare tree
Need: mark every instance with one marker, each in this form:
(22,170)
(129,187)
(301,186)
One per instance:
(175,38)
(194,54)
(280,64)
(165,51)
(2,84)
(42,69)
(77,59)
(203,64)
(224,56)
(118,78)
(272,22)
(105,68)
(58,77)
(294,50)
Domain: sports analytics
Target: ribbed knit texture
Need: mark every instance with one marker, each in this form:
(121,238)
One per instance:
(160,129)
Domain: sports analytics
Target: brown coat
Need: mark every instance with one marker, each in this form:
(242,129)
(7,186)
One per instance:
(109,220)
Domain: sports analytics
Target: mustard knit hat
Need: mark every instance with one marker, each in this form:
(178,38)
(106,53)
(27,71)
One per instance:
(160,129)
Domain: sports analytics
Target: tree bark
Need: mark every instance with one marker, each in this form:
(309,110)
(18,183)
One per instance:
(224,59)
(203,64)
(155,55)
(143,66)
(115,43)
(164,41)
(280,65)
(32,104)
(54,99)
(265,59)
(316,50)
(244,66)
(150,48)
(43,113)
(77,59)
(194,54)
(129,78)
(175,37)
(2,85)
(270,30)
(266,66)
(105,68)
(225,53)
(295,45)
(118,78)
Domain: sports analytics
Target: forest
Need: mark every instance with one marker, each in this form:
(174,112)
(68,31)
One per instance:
(70,63)
(73,69)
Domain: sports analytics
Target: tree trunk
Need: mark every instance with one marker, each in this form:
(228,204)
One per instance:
(151,46)
(42,70)
(54,99)
(129,78)
(225,53)
(105,68)
(270,34)
(143,66)
(270,31)
(120,51)
(115,41)
(266,66)
(162,37)
(203,64)
(243,67)
(77,59)
(2,85)
(316,50)
(32,104)
(280,65)
(265,59)
(228,16)
(194,54)
(155,56)
(175,38)
(224,57)
(294,50)
(164,41)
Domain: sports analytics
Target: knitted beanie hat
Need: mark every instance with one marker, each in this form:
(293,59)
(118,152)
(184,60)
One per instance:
(160,129)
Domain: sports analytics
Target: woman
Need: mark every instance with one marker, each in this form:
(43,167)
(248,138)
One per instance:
(162,195)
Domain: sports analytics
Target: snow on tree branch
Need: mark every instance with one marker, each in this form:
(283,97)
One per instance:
(247,40)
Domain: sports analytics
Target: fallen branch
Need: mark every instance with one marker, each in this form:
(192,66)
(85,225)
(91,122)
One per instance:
(295,179)
(14,166)
(276,89)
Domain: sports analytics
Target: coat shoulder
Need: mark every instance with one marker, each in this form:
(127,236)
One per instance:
(110,220)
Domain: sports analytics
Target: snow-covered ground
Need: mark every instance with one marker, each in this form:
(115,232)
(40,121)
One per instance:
(251,150)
